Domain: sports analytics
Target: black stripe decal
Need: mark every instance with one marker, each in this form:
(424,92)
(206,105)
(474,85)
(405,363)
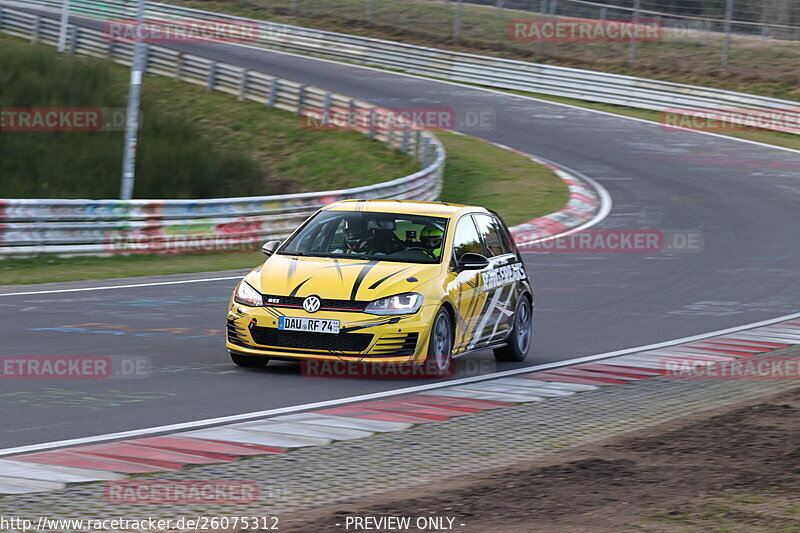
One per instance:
(384,322)
(360,278)
(294,291)
(384,278)
(338,268)
(273,312)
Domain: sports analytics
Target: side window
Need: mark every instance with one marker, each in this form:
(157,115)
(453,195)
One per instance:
(466,238)
(492,235)
(508,240)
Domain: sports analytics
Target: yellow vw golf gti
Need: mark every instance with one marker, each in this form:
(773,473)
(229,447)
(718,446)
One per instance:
(385,282)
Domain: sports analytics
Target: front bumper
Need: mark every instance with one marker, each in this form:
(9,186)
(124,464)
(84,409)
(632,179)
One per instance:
(363,337)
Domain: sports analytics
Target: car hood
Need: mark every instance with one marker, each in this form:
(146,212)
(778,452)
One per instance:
(341,279)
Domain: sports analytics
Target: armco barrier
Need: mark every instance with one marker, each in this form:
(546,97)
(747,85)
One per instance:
(481,70)
(108,226)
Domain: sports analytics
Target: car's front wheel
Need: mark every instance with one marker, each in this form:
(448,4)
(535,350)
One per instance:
(440,346)
(249,361)
(519,340)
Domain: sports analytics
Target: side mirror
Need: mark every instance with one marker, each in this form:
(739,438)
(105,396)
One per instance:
(269,247)
(470,261)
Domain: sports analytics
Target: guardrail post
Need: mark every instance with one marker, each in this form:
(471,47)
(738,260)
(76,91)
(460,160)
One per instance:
(63,26)
(293,6)
(243,85)
(499,10)
(326,109)
(273,92)
(212,76)
(372,123)
(637,4)
(1,17)
(426,151)
(457,21)
(603,13)
(73,39)
(35,30)
(539,41)
(145,57)
(406,136)
(178,66)
(301,99)
(417,145)
(370,10)
(351,111)
(726,43)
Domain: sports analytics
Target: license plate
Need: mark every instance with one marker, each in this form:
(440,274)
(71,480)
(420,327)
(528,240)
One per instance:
(318,325)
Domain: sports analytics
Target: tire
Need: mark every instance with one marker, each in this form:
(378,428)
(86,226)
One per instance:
(249,361)
(519,340)
(440,346)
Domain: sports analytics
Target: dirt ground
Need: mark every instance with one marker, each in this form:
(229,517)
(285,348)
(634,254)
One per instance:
(726,470)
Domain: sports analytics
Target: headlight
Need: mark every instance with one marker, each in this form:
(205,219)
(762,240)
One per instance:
(247,295)
(402,304)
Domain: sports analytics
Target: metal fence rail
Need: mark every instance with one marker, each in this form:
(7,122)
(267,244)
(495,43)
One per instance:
(586,85)
(29,226)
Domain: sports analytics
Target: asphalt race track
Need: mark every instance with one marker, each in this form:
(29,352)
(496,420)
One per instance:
(743,198)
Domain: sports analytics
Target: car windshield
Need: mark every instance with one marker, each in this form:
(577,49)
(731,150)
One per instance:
(369,235)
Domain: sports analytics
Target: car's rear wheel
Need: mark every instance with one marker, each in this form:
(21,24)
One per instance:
(249,361)
(440,346)
(519,340)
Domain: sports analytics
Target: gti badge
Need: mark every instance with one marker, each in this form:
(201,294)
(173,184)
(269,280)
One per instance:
(311,304)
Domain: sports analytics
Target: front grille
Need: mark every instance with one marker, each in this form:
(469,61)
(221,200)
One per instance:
(308,340)
(326,304)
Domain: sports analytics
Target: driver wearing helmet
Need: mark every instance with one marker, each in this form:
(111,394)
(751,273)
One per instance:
(357,238)
(431,239)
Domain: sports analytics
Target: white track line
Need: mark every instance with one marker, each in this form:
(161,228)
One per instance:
(364,397)
(133,285)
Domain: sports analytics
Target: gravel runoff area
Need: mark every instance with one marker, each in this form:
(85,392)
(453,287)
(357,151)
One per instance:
(497,471)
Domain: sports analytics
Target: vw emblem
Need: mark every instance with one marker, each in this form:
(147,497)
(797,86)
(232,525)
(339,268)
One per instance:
(311,304)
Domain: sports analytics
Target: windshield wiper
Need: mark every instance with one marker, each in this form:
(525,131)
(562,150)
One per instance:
(328,256)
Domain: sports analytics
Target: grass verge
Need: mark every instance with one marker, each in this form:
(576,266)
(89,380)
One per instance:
(477,173)
(193,143)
